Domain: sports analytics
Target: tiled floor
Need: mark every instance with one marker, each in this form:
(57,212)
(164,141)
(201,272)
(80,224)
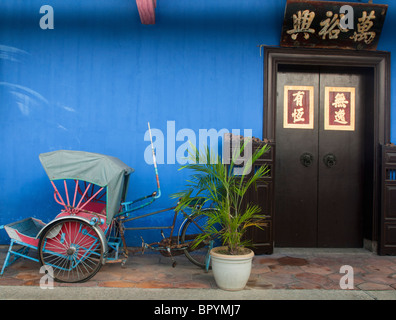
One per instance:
(285,269)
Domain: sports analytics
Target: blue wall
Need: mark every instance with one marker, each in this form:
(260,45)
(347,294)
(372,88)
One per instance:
(94,82)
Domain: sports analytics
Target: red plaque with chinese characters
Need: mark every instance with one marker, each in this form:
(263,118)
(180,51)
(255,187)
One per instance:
(332,24)
(298,107)
(340,108)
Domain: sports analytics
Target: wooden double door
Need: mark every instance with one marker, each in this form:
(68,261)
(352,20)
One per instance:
(324,138)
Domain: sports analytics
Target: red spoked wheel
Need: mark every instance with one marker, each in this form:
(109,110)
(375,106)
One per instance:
(72,250)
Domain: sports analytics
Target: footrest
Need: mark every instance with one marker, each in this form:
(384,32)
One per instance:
(25,230)
(114,244)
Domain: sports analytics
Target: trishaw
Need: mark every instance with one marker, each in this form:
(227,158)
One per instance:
(89,230)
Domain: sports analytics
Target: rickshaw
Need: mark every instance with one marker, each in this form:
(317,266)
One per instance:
(89,230)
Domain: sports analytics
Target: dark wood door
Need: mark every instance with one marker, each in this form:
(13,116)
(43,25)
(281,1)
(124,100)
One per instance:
(319,193)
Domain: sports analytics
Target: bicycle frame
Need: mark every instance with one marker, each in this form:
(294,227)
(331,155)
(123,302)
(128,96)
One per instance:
(171,227)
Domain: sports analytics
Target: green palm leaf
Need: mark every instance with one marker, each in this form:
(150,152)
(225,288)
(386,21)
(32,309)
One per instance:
(213,183)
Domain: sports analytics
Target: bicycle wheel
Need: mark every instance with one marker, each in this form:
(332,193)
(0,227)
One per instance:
(192,228)
(73,249)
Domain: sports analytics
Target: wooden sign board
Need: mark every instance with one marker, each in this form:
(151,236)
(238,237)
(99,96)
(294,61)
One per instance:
(332,24)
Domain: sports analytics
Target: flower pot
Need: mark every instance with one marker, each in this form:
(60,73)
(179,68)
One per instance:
(231,272)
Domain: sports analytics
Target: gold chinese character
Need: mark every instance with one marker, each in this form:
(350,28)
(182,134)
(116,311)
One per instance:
(301,23)
(339,116)
(331,27)
(298,115)
(363,27)
(340,101)
(298,98)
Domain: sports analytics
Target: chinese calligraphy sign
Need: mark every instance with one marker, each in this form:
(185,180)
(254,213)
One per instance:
(298,107)
(301,23)
(323,24)
(340,108)
(364,27)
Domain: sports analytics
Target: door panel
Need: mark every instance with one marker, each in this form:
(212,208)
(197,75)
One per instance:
(341,187)
(317,205)
(296,207)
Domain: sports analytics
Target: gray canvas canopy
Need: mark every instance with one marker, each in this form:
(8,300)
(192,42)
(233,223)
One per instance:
(99,169)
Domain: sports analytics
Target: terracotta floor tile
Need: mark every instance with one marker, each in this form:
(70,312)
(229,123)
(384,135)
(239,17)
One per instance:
(265,260)
(380,278)
(167,276)
(393,268)
(317,269)
(109,275)
(135,277)
(28,276)
(378,268)
(260,269)
(277,279)
(313,278)
(11,282)
(378,260)
(325,261)
(292,261)
(285,269)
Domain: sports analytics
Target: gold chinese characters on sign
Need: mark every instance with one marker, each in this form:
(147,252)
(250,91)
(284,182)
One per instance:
(331,27)
(332,24)
(298,107)
(340,108)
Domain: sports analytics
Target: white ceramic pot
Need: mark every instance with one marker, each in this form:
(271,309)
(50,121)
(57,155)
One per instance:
(231,272)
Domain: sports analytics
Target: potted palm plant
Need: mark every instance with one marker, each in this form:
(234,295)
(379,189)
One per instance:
(217,185)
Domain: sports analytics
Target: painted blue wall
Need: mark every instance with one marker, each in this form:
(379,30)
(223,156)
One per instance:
(95,81)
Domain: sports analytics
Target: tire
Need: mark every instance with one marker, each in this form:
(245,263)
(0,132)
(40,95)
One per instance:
(73,249)
(190,231)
